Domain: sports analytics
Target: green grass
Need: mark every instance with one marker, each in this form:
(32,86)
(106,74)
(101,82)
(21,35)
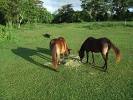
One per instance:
(23,75)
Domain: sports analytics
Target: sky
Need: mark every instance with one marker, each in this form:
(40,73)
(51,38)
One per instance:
(53,5)
(130,9)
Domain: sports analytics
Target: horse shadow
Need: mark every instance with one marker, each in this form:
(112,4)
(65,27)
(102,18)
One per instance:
(27,53)
(97,67)
(43,50)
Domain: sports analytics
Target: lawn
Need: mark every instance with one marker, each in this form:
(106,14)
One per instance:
(23,75)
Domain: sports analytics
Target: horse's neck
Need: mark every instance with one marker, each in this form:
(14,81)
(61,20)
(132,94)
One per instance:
(82,48)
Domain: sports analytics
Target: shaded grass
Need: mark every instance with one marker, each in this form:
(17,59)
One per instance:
(24,76)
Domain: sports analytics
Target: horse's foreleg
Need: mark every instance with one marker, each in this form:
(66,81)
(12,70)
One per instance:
(87,56)
(63,56)
(93,62)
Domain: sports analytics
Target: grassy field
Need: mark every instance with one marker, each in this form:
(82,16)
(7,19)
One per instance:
(23,75)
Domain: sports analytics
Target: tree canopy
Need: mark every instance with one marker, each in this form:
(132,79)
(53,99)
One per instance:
(14,12)
(17,12)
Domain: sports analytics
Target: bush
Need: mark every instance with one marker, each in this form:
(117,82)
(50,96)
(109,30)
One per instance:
(4,33)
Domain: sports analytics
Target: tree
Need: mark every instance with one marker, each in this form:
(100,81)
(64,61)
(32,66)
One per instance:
(120,8)
(95,9)
(31,9)
(10,10)
(2,13)
(44,16)
(77,16)
(16,12)
(65,14)
(130,3)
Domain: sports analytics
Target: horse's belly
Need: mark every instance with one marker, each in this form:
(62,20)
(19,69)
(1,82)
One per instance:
(95,50)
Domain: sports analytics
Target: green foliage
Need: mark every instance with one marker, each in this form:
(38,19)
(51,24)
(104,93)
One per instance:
(17,12)
(65,14)
(101,10)
(95,9)
(130,2)
(120,9)
(77,16)
(13,13)
(4,33)
(44,16)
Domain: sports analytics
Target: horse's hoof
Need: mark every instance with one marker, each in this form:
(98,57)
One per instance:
(59,63)
(89,63)
(86,63)
(56,70)
(92,64)
(104,69)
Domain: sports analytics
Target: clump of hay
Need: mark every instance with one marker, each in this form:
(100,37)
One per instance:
(71,62)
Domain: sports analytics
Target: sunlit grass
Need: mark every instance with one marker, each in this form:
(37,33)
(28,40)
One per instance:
(23,74)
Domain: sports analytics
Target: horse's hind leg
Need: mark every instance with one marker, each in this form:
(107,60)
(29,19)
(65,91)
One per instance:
(54,61)
(105,57)
(105,54)
(58,59)
(106,60)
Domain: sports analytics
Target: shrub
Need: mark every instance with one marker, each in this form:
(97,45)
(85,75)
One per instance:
(4,33)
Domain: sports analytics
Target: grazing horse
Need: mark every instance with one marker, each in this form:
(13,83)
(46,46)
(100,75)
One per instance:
(101,45)
(58,46)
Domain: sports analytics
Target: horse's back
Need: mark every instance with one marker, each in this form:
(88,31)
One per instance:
(60,44)
(105,42)
(96,45)
(91,44)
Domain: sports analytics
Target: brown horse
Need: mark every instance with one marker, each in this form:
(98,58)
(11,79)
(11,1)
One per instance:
(101,45)
(58,46)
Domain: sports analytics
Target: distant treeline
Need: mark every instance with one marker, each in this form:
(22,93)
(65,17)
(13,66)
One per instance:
(17,12)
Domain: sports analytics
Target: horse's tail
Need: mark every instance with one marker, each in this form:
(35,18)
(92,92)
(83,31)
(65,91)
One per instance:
(117,52)
(54,56)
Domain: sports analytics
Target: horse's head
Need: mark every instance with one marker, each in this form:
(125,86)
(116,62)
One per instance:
(81,55)
(67,51)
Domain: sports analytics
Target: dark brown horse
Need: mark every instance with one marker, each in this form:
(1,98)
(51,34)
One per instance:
(102,45)
(58,46)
